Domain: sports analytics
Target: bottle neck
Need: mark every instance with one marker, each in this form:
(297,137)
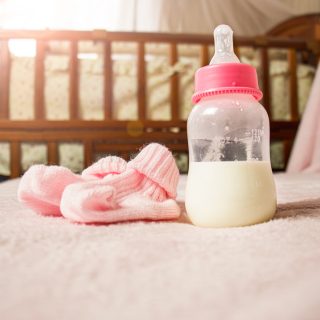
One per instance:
(229,96)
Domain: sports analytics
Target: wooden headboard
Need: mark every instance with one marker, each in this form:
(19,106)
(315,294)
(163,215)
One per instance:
(305,26)
(125,137)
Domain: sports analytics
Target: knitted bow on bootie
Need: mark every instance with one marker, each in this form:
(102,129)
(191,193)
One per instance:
(110,190)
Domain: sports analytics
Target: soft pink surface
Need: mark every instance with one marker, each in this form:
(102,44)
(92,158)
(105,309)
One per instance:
(305,155)
(52,269)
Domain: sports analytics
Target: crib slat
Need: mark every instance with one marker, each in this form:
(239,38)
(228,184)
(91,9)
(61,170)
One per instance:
(266,81)
(74,81)
(39,101)
(15,156)
(125,155)
(5,64)
(141,82)
(108,78)
(292,58)
(88,153)
(52,151)
(174,84)
(204,55)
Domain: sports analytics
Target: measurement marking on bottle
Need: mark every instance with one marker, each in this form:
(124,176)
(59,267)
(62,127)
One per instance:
(257,134)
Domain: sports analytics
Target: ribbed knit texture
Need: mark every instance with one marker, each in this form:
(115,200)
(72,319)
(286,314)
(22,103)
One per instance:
(108,191)
(132,181)
(157,163)
(100,206)
(144,191)
(41,188)
(106,166)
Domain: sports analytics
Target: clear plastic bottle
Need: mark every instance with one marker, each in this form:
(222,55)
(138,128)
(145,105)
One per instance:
(230,181)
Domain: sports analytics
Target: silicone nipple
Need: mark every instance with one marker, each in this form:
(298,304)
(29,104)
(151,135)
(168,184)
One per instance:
(223,40)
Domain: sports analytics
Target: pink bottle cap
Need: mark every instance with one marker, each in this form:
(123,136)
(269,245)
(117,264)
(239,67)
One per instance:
(225,74)
(226,78)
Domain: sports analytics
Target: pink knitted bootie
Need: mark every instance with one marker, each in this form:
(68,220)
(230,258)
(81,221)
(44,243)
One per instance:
(41,187)
(143,191)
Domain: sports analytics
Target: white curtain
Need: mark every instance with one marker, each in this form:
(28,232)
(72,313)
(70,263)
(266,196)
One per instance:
(247,17)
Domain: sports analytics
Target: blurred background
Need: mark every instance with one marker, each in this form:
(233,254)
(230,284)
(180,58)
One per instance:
(247,17)
(133,61)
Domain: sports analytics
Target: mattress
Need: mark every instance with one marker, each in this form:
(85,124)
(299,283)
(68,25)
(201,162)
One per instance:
(124,58)
(53,269)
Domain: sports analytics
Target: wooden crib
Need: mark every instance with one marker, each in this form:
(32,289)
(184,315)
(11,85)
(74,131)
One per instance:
(301,36)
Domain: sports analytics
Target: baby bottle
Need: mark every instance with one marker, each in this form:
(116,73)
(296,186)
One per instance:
(230,180)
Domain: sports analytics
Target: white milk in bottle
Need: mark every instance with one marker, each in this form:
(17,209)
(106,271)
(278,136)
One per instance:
(230,181)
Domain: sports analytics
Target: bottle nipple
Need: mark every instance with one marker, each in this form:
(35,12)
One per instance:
(223,41)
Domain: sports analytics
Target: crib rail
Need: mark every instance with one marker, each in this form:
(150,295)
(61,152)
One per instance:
(110,134)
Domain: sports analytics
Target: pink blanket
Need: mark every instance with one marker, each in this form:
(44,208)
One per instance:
(52,269)
(305,155)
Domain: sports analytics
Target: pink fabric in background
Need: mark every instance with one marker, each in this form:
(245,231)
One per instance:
(305,155)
